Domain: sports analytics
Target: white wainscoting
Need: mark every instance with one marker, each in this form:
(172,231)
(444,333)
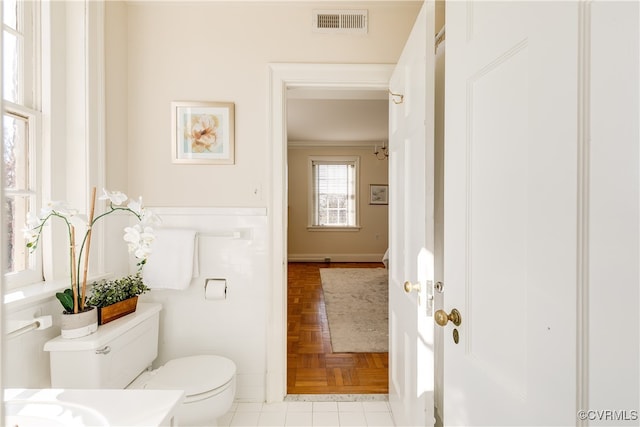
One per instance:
(232,245)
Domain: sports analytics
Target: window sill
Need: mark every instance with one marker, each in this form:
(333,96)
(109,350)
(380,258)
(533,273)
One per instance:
(38,292)
(331,228)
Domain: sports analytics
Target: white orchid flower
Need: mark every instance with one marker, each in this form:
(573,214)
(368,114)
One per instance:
(32,221)
(31,230)
(147,235)
(46,210)
(60,208)
(136,206)
(116,197)
(132,234)
(149,218)
(30,235)
(142,252)
(78,221)
(139,240)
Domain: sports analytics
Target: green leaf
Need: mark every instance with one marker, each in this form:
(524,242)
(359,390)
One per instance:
(107,292)
(66,299)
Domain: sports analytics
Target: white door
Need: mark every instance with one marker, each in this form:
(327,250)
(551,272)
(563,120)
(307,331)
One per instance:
(411,210)
(510,227)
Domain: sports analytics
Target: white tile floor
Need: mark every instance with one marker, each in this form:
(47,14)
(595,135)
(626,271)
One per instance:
(309,414)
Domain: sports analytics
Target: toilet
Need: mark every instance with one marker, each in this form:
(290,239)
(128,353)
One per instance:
(119,355)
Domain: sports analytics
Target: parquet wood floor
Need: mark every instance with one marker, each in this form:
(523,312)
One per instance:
(312,367)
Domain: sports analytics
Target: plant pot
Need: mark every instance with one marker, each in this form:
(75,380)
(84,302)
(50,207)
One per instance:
(117,310)
(79,324)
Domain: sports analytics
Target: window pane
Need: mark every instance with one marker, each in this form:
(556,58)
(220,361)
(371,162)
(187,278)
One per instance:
(15,152)
(11,67)
(21,54)
(335,184)
(10,13)
(18,254)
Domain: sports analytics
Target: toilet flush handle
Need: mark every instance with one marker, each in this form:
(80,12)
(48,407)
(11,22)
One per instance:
(104,350)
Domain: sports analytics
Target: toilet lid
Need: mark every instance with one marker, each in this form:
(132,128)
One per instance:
(193,374)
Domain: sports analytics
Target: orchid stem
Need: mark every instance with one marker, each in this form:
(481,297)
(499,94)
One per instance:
(86,255)
(74,288)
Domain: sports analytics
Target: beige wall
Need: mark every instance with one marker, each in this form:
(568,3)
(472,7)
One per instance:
(212,51)
(367,244)
(440,14)
(116,97)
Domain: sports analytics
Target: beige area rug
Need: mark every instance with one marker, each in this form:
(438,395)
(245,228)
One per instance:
(357,304)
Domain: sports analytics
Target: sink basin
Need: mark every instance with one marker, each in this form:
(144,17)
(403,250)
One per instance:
(52,407)
(31,413)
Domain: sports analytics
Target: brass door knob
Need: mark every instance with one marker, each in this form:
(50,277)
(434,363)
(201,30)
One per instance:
(408,287)
(442,318)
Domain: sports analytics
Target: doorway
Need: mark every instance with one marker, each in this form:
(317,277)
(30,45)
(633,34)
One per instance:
(336,344)
(284,77)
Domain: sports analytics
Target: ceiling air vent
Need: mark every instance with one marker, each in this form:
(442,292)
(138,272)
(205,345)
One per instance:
(340,21)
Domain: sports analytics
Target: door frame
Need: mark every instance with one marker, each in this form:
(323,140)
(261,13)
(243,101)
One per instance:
(281,77)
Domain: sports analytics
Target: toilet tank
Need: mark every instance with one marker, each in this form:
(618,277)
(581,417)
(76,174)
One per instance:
(111,357)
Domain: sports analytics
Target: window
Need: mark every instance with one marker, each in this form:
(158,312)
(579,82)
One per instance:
(20,135)
(334,192)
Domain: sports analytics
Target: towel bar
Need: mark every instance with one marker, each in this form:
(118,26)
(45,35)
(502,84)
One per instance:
(232,234)
(24,329)
(40,323)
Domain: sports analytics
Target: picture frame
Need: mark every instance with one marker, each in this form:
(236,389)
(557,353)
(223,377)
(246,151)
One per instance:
(203,132)
(378,194)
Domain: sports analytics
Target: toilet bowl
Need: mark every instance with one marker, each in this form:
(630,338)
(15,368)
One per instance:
(209,383)
(119,355)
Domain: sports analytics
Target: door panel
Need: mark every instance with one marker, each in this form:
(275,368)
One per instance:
(498,237)
(510,213)
(411,358)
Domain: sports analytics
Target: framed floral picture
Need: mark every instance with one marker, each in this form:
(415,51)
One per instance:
(378,194)
(203,132)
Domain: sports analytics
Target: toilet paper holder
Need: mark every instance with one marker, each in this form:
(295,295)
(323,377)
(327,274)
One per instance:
(215,289)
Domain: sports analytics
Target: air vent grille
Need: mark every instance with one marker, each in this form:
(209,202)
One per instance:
(340,21)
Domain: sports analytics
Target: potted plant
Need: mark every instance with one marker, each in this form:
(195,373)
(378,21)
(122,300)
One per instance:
(79,318)
(117,297)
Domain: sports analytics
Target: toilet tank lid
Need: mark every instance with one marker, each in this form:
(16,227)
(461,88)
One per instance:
(193,374)
(105,333)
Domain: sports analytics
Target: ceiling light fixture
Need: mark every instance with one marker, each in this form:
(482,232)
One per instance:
(382,151)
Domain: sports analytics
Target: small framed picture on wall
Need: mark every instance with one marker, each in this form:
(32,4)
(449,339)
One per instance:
(378,194)
(203,132)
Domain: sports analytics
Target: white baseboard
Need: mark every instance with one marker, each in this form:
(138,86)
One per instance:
(335,257)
